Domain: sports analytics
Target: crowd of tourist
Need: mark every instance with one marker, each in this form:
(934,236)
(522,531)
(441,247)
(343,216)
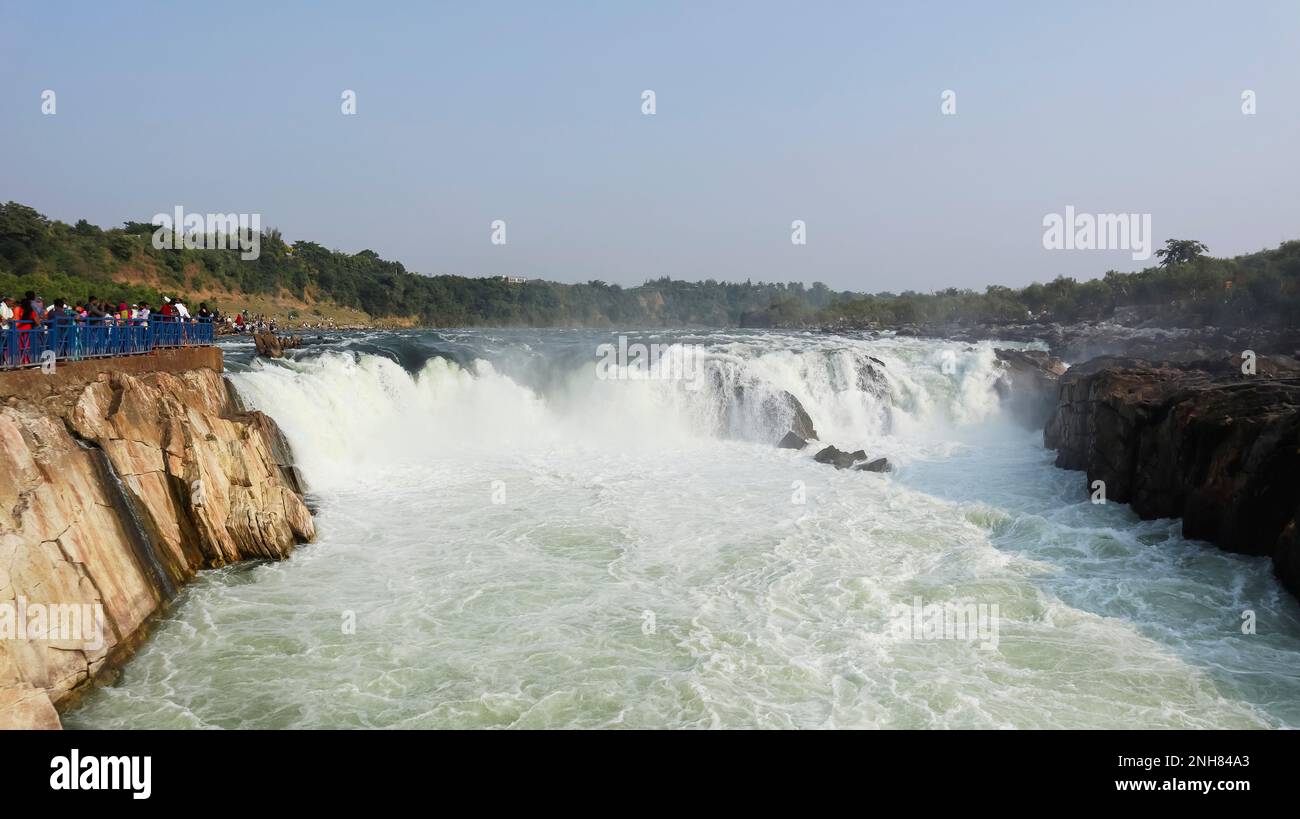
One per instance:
(31,312)
(246,322)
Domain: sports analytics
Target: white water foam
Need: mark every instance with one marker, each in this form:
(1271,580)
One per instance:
(634,553)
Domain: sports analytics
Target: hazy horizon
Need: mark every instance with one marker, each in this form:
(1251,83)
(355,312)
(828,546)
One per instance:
(827,114)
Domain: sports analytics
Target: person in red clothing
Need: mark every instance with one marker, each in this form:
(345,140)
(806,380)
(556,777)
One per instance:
(25,314)
(26,318)
(167,308)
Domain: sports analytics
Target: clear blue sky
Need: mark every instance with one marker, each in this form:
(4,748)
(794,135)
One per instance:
(767,112)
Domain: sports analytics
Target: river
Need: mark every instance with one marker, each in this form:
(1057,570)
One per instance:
(509,539)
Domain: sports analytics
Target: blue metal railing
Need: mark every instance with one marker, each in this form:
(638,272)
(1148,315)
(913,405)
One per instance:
(26,344)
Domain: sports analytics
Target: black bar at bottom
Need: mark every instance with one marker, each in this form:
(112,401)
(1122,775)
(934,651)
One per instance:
(214,769)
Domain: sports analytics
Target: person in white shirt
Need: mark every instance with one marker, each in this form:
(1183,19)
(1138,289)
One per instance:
(6,311)
(181,309)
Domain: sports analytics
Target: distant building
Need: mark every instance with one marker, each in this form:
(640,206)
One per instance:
(513,279)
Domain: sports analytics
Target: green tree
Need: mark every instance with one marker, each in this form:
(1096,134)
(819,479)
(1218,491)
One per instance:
(1180,251)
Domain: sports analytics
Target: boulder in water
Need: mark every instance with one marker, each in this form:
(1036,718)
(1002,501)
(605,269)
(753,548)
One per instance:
(774,408)
(792,441)
(269,345)
(838,458)
(801,424)
(872,380)
(878,465)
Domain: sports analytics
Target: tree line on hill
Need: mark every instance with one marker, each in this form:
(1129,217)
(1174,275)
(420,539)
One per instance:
(1187,287)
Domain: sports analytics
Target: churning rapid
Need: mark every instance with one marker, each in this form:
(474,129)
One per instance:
(507,539)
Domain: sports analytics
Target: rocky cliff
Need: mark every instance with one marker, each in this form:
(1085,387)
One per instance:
(1202,441)
(121,480)
(1028,384)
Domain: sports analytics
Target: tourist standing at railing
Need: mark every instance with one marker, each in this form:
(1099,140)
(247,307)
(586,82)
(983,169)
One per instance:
(59,310)
(32,332)
(183,316)
(26,315)
(25,319)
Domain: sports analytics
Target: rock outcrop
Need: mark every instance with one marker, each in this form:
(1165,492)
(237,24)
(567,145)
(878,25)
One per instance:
(856,460)
(800,421)
(838,458)
(873,381)
(878,465)
(1201,441)
(1028,384)
(775,409)
(791,441)
(117,488)
(269,345)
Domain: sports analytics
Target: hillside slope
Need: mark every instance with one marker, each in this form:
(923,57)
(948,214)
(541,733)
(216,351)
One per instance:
(305,282)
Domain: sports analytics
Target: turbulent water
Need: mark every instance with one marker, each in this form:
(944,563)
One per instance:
(507,539)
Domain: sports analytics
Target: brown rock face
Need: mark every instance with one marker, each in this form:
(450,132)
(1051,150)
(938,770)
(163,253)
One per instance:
(270,345)
(115,491)
(23,707)
(1199,441)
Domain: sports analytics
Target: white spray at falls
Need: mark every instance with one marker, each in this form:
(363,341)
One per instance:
(512,541)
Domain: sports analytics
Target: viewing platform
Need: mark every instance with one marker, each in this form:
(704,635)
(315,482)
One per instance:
(65,339)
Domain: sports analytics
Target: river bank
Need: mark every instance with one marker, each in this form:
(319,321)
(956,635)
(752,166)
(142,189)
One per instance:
(1215,443)
(123,478)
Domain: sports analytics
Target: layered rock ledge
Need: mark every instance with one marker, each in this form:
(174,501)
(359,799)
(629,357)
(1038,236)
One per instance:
(1203,441)
(122,478)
